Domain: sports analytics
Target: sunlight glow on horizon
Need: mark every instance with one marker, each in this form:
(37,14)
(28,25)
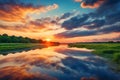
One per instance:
(56,21)
(48,39)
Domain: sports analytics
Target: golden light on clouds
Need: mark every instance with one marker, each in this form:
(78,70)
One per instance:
(35,21)
(96,4)
(19,13)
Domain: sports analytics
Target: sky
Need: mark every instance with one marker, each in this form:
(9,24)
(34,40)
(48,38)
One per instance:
(61,20)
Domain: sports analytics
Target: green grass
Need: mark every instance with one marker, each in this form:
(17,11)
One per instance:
(15,46)
(110,51)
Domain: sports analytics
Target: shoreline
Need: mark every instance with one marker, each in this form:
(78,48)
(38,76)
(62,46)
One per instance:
(109,51)
(5,47)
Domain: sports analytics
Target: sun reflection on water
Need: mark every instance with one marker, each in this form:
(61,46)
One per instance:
(53,63)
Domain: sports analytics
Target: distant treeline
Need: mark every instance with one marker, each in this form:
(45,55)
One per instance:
(14,39)
(97,42)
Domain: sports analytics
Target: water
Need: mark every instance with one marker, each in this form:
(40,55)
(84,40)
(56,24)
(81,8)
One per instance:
(55,63)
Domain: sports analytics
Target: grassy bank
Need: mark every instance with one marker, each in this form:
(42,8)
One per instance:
(15,46)
(110,51)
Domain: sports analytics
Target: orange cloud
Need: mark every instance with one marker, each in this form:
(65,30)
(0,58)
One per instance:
(21,73)
(95,5)
(13,13)
(78,0)
(37,25)
(88,4)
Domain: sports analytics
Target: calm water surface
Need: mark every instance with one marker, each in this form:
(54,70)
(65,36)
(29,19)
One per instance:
(54,63)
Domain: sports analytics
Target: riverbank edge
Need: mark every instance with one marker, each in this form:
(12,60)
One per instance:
(113,66)
(15,46)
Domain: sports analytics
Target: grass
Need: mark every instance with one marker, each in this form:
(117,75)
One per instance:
(110,51)
(15,46)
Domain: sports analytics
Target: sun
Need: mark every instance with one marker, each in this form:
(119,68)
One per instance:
(48,39)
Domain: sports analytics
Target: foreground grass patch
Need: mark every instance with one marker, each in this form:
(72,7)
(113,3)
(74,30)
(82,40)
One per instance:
(111,51)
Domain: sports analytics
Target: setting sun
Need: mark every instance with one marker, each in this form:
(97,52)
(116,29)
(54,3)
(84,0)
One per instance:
(59,39)
(48,39)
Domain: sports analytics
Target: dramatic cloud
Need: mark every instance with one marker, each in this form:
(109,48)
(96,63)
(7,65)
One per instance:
(74,22)
(104,30)
(13,11)
(31,26)
(18,16)
(112,18)
(21,73)
(86,21)
(27,16)
(94,24)
(18,27)
(90,3)
(75,33)
(66,15)
(91,20)
(104,20)
(108,6)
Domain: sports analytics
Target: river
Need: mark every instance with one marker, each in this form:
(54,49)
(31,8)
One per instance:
(55,63)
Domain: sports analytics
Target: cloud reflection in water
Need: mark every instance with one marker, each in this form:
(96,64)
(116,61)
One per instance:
(53,63)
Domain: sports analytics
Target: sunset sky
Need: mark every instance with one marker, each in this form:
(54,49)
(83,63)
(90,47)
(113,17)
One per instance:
(61,20)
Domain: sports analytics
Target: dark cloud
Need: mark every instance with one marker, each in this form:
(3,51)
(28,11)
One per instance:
(91,20)
(104,30)
(10,2)
(87,21)
(108,6)
(100,4)
(105,19)
(75,33)
(112,18)
(19,2)
(75,22)
(66,15)
(94,24)
(110,28)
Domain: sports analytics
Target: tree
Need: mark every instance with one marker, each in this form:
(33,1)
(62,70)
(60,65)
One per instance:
(14,39)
